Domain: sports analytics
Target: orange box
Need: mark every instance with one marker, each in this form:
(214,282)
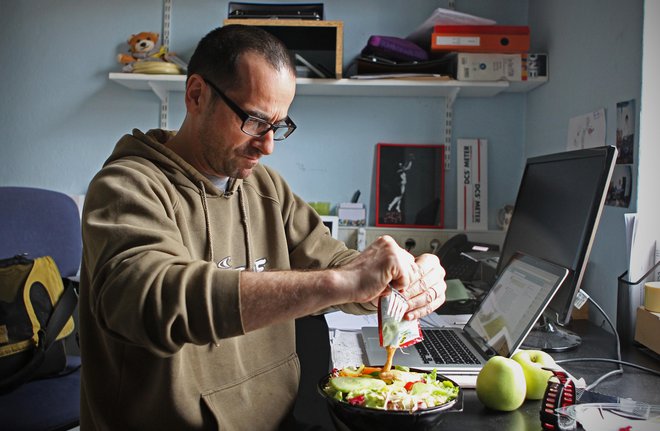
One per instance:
(505,39)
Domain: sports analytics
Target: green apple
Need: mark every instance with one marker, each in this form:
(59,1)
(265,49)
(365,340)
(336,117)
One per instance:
(532,363)
(501,384)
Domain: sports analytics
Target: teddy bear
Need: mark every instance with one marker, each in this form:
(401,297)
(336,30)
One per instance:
(142,46)
(146,56)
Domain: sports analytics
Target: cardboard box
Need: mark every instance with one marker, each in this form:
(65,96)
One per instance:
(501,67)
(647,329)
(352,214)
(472,184)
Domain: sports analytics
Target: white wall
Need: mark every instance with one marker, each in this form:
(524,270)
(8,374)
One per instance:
(648,204)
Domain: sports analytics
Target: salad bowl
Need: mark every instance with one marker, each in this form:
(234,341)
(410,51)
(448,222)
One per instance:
(346,416)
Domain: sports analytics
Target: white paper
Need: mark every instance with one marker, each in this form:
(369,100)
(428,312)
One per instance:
(631,231)
(350,322)
(422,34)
(586,131)
(345,349)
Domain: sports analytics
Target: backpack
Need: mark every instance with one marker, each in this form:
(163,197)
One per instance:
(35,316)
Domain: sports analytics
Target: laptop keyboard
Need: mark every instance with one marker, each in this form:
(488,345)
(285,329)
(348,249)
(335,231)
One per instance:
(444,347)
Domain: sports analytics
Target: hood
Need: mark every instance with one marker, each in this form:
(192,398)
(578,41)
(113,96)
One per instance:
(149,146)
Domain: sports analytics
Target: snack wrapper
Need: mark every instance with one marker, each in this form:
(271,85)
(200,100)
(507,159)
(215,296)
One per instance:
(403,333)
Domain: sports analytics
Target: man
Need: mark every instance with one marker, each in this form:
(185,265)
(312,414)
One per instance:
(197,259)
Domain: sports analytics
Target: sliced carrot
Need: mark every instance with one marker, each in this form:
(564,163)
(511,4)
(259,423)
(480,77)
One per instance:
(371,370)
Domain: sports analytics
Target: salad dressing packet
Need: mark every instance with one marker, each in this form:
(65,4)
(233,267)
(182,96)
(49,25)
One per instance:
(394,334)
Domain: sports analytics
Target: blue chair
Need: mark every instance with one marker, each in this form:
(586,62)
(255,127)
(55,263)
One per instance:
(42,222)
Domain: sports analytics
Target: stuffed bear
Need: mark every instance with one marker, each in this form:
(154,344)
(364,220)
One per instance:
(142,46)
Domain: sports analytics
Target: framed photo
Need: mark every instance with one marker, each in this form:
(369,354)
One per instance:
(410,185)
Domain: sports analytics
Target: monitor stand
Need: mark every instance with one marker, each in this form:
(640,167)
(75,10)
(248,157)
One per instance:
(550,337)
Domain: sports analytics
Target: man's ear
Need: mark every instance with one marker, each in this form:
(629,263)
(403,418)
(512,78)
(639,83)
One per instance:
(195,93)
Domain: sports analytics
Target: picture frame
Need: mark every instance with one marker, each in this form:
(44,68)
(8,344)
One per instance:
(410,184)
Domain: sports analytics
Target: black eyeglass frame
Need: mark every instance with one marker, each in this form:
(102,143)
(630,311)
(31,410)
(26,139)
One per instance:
(244,116)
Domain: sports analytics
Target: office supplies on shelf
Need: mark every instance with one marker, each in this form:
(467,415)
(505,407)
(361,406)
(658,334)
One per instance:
(374,65)
(472,66)
(314,68)
(498,326)
(320,42)
(422,34)
(394,48)
(244,10)
(480,38)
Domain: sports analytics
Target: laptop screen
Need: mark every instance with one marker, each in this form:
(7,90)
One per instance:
(519,296)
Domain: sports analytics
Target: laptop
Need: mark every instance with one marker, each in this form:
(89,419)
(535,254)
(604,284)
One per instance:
(498,326)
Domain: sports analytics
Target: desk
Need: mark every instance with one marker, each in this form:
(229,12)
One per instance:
(596,342)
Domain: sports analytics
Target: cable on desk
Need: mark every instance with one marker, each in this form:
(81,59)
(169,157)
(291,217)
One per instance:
(618,349)
(614,361)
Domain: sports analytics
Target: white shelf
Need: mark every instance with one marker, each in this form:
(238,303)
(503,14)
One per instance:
(161,84)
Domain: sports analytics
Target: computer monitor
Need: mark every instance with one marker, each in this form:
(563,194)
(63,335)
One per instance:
(555,217)
(332,223)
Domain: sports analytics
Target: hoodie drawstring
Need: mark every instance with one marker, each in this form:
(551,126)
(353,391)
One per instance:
(207,222)
(249,265)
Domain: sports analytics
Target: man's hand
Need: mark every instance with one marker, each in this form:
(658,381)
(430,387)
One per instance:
(426,292)
(421,279)
(380,264)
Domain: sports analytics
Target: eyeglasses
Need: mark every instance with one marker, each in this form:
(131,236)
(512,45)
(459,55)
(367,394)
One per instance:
(254,126)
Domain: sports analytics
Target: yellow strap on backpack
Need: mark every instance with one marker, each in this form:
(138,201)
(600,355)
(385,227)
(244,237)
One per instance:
(45,271)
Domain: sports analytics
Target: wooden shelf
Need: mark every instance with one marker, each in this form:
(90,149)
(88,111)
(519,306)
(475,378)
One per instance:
(161,84)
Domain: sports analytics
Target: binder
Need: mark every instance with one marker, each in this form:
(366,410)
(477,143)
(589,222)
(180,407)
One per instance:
(507,39)
(473,66)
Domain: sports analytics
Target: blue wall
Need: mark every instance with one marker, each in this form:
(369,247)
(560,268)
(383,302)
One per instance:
(60,115)
(595,62)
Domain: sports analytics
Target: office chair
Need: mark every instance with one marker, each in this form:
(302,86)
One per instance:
(42,223)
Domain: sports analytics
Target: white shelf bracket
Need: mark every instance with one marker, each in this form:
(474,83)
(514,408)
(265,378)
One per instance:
(449,123)
(163,95)
(164,109)
(167,21)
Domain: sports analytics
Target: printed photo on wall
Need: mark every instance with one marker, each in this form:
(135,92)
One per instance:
(620,189)
(625,131)
(410,185)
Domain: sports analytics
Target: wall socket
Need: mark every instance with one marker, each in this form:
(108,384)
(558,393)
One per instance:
(418,241)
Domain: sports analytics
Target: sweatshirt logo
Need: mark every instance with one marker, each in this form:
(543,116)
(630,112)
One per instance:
(259,264)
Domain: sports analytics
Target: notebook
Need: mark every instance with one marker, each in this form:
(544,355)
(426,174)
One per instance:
(498,326)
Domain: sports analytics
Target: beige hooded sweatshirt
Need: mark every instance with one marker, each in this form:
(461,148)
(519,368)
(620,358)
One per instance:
(162,341)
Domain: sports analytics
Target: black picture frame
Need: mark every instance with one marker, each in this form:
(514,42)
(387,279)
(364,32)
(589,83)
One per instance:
(410,185)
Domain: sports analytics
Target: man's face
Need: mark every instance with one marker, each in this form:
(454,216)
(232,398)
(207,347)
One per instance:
(264,93)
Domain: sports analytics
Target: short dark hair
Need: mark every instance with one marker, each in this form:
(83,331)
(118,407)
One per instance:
(217,54)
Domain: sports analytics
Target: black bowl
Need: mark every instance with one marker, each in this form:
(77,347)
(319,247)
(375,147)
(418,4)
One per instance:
(357,418)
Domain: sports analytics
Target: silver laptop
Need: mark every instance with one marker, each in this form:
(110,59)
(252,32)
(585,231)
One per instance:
(498,326)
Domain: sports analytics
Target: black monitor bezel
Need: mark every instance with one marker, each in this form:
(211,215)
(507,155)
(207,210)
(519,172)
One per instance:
(562,303)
